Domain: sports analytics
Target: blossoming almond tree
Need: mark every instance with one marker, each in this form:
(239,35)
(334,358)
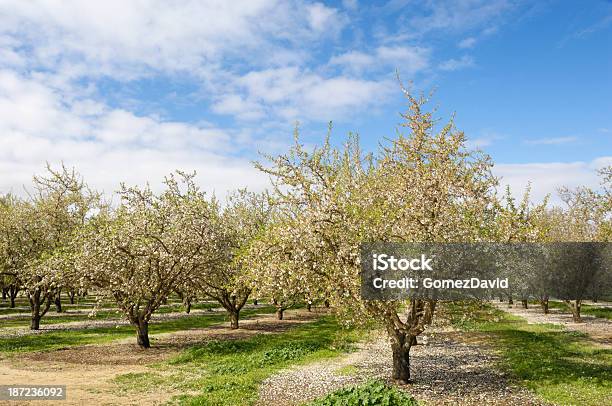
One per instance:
(276,271)
(605,204)
(148,245)
(8,281)
(586,217)
(424,187)
(36,235)
(521,222)
(227,281)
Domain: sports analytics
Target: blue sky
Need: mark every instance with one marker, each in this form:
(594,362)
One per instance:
(129,91)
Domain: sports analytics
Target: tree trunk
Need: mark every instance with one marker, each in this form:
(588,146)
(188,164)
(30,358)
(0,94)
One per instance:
(326,303)
(187,306)
(575,307)
(142,336)
(309,306)
(35,322)
(279,313)
(401,358)
(35,303)
(525,304)
(234,316)
(71,294)
(544,304)
(4,291)
(58,303)
(255,302)
(13,290)
(36,307)
(510,301)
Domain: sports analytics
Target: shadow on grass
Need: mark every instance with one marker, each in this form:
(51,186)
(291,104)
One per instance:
(229,372)
(562,366)
(46,340)
(586,309)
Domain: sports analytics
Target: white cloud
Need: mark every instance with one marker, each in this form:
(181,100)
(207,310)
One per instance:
(226,47)
(250,58)
(546,178)
(354,60)
(339,94)
(408,60)
(468,42)
(237,106)
(132,39)
(109,145)
(291,93)
(486,139)
(551,141)
(479,143)
(322,18)
(456,64)
(457,16)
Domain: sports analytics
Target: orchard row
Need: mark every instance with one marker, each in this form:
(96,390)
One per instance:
(297,242)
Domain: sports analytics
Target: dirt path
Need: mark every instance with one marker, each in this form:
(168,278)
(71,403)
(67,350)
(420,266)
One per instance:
(88,370)
(447,371)
(598,329)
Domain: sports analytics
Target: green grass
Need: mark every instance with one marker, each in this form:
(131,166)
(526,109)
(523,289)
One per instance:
(21,301)
(229,372)
(372,393)
(51,340)
(65,317)
(178,307)
(561,366)
(603,312)
(585,309)
(70,316)
(107,311)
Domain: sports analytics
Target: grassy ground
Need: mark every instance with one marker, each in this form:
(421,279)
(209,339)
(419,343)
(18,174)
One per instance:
(561,366)
(106,311)
(64,317)
(230,372)
(50,340)
(22,304)
(68,315)
(585,310)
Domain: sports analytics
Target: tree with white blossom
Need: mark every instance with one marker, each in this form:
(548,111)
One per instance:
(244,217)
(8,280)
(587,216)
(275,271)
(37,235)
(425,186)
(141,251)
